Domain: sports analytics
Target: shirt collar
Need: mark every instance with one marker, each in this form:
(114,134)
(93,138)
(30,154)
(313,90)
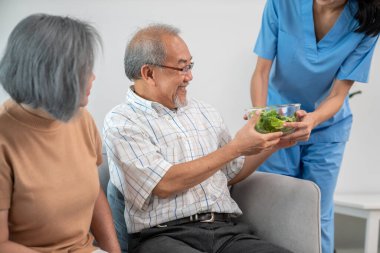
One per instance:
(31,118)
(352,8)
(147,106)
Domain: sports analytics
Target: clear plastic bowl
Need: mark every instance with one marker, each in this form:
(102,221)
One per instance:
(272,117)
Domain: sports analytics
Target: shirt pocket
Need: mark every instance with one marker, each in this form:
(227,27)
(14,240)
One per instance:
(287,47)
(174,152)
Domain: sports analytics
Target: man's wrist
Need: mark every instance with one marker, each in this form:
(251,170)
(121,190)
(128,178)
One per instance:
(231,150)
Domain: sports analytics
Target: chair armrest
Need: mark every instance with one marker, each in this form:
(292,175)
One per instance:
(282,210)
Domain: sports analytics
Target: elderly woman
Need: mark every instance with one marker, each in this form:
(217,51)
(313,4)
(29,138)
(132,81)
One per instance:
(50,197)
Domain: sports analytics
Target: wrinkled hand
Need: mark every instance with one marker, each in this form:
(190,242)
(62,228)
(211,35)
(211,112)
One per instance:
(250,142)
(302,128)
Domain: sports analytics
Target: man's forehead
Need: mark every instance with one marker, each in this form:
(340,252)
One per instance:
(177,50)
(184,59)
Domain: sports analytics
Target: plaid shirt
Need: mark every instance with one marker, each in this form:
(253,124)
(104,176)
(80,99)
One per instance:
(144,139)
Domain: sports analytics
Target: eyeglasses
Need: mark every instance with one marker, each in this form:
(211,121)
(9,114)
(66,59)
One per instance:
(183,70)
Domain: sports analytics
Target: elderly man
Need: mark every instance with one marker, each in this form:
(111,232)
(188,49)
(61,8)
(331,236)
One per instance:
(173,159)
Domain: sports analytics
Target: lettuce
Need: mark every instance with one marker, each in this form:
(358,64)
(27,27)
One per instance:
(271,121)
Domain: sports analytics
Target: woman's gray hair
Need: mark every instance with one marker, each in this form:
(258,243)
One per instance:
(146,47)
(48,62)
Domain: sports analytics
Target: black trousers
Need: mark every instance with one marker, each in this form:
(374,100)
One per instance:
(216,237)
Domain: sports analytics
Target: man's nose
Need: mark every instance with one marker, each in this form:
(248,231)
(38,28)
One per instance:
(189,75)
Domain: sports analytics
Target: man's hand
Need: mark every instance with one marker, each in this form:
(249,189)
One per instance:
(250,142)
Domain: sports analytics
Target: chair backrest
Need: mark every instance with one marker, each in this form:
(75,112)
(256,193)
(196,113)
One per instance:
(103,171)
(282,210)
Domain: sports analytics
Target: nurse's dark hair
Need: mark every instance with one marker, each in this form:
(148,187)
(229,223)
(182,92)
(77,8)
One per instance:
(48,62)
(368,16)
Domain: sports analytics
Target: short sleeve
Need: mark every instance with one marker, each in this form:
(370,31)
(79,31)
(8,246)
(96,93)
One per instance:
(357,65)
(6,174)
(6,184)
(232,168)
(266,43)
(95,136)
(98,146)
(131,151)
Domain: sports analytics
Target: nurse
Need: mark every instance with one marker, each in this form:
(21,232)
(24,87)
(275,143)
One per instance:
(311,52)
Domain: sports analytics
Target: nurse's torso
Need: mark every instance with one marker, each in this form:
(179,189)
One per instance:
(304,70)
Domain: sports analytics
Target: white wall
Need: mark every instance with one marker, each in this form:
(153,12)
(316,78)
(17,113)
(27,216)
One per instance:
(220,35)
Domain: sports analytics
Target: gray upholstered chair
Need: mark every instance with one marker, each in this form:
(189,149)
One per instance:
(104,175)
(281,209)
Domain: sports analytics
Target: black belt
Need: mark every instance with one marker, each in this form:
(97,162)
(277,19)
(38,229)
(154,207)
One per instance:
(198,217)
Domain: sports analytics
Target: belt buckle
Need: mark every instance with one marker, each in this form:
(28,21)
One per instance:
(212,219)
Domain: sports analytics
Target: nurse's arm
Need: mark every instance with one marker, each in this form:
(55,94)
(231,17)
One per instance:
(5,244)
(259,82)
(332,104)
(328,108)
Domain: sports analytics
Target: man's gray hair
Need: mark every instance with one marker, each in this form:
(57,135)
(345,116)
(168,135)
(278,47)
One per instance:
(48,62)
(146,47)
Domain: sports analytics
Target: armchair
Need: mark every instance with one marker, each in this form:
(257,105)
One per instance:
(281,209)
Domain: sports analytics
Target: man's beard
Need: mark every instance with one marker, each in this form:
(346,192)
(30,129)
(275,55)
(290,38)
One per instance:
(178,103)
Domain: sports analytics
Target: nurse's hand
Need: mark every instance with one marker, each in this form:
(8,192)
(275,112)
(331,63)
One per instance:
(302,128)
(284,143)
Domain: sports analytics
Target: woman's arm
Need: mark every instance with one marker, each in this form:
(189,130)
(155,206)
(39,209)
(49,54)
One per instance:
(332,104)
(328,108)
(259,82)
(102,226)
(5,244)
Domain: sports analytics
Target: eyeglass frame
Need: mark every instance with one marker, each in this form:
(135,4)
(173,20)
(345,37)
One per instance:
(183,70)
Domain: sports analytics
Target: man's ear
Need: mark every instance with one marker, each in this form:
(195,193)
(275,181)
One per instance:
(147,74)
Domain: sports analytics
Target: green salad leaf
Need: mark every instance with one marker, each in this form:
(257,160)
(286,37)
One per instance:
(271,121)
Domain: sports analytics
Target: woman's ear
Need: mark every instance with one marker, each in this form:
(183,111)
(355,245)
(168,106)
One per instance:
(147,74)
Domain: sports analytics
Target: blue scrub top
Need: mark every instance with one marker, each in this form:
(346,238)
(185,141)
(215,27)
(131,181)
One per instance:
(303,70)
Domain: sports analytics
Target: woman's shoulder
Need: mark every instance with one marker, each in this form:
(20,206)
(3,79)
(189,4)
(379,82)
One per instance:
(85,119)
(10,115)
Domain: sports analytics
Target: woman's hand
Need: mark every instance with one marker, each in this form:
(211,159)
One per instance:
(284,143)
(302,128)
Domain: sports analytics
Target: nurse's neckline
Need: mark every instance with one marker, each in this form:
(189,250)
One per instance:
(326,17)
(335,6)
